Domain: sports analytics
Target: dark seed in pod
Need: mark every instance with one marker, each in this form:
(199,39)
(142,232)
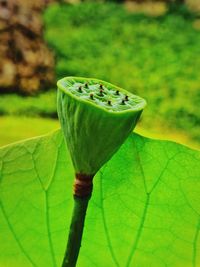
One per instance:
(101,86)
(109,103)
(86,85)
(117,92)
(80,89)
(126,98)
(92,96)
(123,102)
(101,92)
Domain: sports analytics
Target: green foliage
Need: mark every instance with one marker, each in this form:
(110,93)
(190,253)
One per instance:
(145,209)
(15,128)
(178,8)
(153,57)
(41,105)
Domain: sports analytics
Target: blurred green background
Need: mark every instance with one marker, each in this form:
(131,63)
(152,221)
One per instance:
(149,48)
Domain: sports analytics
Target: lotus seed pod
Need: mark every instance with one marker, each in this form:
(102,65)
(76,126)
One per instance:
(95,120)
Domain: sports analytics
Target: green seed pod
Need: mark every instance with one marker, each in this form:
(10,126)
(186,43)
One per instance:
(95,126)
(96,118)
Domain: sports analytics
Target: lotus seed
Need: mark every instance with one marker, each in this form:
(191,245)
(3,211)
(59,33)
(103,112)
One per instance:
(109,103)
(101,92)
(92,96)
(123,102)
(101,86)
(117,92)
(80,89)
(126,98)
(86,85)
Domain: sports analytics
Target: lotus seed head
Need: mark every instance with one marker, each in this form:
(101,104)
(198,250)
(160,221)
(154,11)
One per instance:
(102,94)
(101,106)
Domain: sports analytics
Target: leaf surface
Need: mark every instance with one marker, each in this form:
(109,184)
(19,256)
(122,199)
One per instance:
(145,208)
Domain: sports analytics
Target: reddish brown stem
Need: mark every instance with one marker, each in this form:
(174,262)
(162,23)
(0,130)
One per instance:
(83,185)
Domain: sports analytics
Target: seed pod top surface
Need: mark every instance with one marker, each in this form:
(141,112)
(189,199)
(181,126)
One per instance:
(102,94)
(96,118)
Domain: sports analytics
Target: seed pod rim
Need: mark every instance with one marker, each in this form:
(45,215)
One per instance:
(140,106)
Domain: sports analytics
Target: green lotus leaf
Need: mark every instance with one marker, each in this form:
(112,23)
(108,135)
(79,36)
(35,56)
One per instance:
(144,211)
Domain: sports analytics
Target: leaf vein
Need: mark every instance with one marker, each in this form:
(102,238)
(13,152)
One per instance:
(196,236)
(105,225)
(15,237)
(139,232)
